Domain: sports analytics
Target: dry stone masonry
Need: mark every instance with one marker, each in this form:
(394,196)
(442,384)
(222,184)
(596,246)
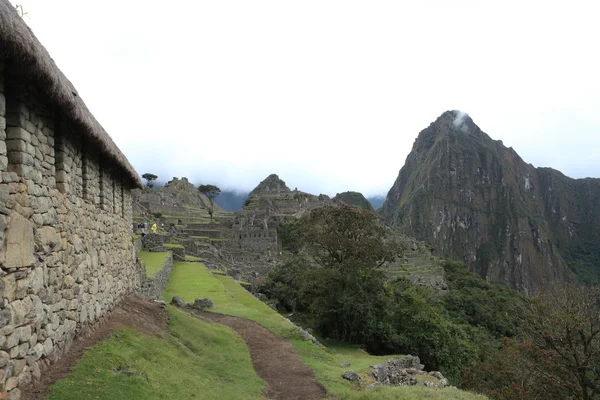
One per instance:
(153,287)
(66,250)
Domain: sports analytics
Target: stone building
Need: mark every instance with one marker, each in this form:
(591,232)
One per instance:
(66,254)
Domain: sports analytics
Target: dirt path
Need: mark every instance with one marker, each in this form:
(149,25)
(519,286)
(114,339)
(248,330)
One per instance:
(274,360)
(132,312)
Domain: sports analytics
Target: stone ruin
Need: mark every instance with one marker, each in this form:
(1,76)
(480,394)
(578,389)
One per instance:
(66,251)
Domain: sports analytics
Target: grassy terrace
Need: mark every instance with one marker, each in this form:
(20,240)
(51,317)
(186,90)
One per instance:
(154,261)
(173,245)
(193,360)
(193,280)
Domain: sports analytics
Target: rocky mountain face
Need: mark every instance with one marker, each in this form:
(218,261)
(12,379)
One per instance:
(475,200)
(354,199)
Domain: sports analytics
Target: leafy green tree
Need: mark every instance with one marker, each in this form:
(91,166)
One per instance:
(347,238)
(210,191)
(149,179)
(475,301)
(348,246)
(289,235)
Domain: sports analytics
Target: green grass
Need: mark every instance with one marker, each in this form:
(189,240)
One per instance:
(219,239)
(411,393)
(154,261)
(193,280)
(192,258)
(199,237)
(173,245)
(193,360)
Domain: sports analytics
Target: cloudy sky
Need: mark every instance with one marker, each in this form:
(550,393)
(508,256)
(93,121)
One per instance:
(330,95)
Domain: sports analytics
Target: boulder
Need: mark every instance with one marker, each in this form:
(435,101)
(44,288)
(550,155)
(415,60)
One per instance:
(202,304)
(178,301)
(351,376)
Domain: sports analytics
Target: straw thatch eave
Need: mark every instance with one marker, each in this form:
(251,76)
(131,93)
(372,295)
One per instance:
(18,41)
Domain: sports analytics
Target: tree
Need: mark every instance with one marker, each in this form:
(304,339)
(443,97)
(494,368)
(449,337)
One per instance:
(210,191)
(344,237)
(564,322)
(558,355)
(347,286)
(149,178)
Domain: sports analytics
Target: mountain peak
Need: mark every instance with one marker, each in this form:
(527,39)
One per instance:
(271,185)
(456,121)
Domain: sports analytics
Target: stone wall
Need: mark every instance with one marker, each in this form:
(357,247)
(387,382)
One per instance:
(66,255)
(154,287)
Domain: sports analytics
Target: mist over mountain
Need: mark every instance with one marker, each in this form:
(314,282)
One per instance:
(376,201)
(231,200)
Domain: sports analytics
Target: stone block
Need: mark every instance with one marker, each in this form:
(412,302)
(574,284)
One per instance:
(3,148)
(19,242)
(12,341)
(14,394)
(8,288)
(20,310)
(16,145)
(2,104)
(18,366)
(4,358)
(23,349)
(16,132)
(18,157)
(11,383)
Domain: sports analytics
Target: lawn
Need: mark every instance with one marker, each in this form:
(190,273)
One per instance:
(154,261)
(193,360)
(194,280)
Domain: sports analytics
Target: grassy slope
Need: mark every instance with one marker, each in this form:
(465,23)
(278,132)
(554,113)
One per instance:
(194,360)
(154,261)
(193,280)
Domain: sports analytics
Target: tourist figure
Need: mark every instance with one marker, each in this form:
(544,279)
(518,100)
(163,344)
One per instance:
(153,228)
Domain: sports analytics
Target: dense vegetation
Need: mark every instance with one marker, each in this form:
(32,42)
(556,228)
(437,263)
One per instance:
(484,336)
(335,284)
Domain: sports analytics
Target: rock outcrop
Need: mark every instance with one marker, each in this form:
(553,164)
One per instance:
(406,371)
(475,200)
(354,199)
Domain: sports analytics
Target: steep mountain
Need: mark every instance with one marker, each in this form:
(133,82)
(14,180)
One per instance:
(231,200)
(272,185)
(355,199)
(476,200)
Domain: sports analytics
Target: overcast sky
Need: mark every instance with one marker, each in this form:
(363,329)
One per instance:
(330,95)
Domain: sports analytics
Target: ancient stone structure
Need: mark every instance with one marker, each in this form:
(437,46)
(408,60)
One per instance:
(66,254)
(153,287)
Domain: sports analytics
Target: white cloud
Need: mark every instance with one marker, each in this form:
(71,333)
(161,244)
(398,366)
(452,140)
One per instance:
(329,95)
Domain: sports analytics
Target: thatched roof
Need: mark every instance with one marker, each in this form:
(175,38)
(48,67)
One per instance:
(20,43)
